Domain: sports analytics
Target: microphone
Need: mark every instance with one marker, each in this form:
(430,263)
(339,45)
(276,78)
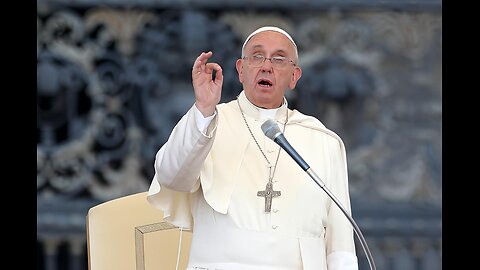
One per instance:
(271,130)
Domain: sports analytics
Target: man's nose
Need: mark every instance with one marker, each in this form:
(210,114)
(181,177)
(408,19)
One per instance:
(267,65)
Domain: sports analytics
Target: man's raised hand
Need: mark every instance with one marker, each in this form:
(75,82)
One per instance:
(207,91)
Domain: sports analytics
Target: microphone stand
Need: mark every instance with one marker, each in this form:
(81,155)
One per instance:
(359,234)
(271,130)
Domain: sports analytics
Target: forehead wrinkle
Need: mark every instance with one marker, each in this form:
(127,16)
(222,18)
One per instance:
(277,51)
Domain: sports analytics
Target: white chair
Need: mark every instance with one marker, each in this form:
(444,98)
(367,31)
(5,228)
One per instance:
(128,233)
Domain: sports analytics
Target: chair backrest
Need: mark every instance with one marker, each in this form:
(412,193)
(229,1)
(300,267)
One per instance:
(129,233)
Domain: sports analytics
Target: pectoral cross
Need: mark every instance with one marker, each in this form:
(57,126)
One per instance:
(268,193)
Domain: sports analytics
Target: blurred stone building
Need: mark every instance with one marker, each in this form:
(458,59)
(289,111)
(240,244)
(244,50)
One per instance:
(114,77)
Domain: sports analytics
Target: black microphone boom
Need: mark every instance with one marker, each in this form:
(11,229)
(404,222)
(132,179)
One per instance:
(271,130)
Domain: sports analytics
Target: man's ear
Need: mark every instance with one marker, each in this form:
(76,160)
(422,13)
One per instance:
(297,73)
(239,66)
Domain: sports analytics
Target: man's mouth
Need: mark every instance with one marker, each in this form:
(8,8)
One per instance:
(265,83)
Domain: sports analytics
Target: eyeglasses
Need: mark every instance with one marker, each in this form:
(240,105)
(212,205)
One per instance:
(277,61)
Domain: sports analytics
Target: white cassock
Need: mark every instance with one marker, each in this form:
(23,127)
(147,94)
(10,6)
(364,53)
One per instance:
(207,176)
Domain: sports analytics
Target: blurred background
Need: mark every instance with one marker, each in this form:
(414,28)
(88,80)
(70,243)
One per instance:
(114,77)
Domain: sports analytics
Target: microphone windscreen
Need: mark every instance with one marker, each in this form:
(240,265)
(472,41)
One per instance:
(270,129)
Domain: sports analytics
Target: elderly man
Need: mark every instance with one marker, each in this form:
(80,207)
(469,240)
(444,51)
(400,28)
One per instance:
(250,206)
